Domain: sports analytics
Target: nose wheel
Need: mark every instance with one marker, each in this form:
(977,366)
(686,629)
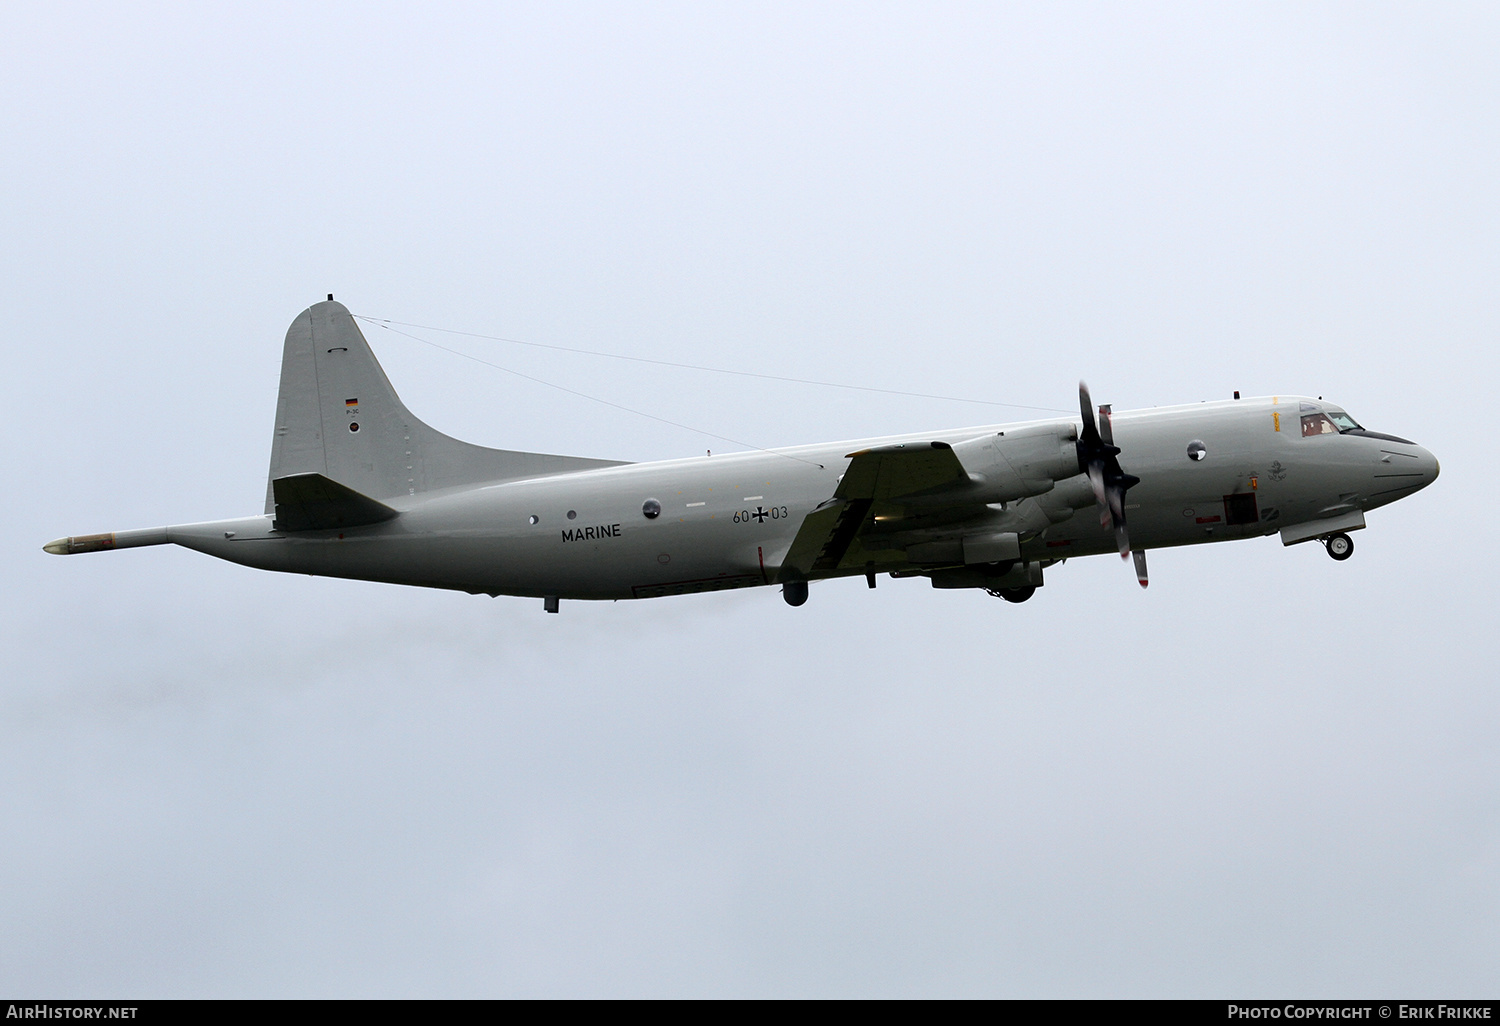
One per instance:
(1340,546)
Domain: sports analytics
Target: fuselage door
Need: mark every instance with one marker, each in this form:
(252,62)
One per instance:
(1241,511)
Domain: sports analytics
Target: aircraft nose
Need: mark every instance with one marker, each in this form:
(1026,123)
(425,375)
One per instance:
(1402,468)
(1427,464)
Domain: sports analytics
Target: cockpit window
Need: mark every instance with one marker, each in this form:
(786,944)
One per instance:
(1317,424)
(1332,422)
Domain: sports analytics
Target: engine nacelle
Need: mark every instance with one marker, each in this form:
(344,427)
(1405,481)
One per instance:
(1019,462)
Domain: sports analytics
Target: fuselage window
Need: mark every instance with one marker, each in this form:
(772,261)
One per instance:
(1343,421)
(1318,424)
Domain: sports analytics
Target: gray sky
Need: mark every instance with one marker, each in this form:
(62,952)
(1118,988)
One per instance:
(1270,774)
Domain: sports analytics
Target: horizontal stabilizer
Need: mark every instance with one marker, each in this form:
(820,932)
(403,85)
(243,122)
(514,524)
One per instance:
(312,502)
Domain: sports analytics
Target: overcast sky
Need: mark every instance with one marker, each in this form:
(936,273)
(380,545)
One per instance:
(1269,774)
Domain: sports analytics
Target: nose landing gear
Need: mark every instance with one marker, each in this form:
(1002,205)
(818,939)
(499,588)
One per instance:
(1340,546)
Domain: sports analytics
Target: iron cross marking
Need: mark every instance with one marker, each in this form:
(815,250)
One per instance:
(760,514)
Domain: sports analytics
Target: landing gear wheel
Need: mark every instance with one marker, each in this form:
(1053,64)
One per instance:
(1340,546)
(1014,594)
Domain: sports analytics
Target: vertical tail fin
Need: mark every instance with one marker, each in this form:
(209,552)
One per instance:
(337,415)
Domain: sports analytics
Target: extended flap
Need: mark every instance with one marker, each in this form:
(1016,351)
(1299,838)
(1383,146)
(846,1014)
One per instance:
(312,502)
(825,536)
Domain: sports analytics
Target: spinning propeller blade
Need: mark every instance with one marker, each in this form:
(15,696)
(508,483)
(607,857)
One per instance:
(1097,457)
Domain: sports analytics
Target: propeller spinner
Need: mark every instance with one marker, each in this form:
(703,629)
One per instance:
(1098,458)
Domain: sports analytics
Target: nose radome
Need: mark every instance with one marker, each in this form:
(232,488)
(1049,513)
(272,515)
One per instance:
(1402,470)
(1430,467)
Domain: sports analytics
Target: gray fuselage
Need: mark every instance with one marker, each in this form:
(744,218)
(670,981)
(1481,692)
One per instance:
(727,521)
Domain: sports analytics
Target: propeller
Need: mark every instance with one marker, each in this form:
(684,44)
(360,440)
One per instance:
(1140,567)
(1098,458)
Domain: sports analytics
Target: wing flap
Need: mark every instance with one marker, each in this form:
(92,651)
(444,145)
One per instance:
(312,502)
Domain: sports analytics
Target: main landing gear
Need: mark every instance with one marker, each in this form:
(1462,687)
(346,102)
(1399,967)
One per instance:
(1340,546)
(1014,594)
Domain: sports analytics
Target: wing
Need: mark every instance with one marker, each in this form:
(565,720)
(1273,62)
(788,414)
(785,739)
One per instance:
(880,484)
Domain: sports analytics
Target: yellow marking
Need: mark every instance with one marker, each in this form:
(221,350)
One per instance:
(1276,418)
(1254,484)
